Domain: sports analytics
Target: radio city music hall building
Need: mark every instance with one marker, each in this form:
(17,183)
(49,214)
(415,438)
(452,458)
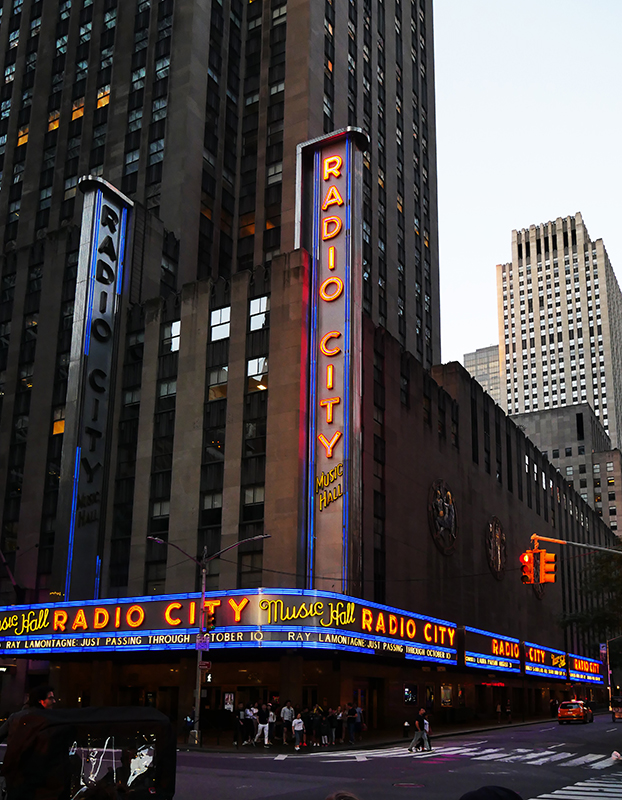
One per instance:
(397,500)
(241,341)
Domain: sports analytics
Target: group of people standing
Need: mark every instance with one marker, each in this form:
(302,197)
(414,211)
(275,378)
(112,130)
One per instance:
(307,727)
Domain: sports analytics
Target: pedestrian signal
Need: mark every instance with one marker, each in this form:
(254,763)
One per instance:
(526,560)
(547,567)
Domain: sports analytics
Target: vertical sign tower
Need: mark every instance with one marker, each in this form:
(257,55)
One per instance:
(329,226)
(90,389)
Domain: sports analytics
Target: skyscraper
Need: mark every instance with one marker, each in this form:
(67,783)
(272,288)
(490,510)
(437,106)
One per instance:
(560,323)
(193,110)
(483,365)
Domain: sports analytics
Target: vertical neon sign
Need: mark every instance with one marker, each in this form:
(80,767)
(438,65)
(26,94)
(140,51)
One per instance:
(330,226)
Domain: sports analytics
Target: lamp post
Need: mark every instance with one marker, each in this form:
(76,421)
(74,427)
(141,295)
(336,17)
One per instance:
(202,563)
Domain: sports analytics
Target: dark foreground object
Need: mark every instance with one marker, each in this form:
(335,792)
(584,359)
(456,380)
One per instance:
(95,753)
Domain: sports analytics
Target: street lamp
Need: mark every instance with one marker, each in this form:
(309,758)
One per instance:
(202,563)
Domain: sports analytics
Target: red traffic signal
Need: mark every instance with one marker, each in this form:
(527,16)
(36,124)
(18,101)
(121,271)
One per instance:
(547,567)
(210,622)
(526,561)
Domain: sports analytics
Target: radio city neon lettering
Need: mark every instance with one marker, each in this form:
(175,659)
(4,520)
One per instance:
(583,665)
(535,655)
(508,649)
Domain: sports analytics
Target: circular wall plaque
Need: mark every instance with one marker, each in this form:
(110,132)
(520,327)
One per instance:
(442,517)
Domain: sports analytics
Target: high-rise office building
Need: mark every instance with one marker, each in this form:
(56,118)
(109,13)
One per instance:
(483,365)
(194,110)
(560,323)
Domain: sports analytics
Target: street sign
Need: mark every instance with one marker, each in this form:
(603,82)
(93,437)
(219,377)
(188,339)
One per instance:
(202,642)
(206,665)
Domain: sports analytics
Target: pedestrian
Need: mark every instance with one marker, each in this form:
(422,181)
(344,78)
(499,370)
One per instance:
(325,729)
(418,739)
(249,725)
(239,726)
(36,761)
(508,712)
(360,722)
(340,724)
(298,727)
(263,725)
(307,735)
(553,705)
(332,724)
(427,745)
(499,713)
(287,715)
(271,723)
(351,720)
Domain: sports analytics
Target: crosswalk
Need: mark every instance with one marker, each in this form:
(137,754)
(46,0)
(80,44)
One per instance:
(604,787)
(475,751)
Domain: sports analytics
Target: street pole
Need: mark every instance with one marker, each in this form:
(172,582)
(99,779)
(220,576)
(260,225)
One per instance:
(205,559)
(615,639)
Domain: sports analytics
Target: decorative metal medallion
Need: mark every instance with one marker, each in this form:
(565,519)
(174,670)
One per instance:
(496,550)
(442,517)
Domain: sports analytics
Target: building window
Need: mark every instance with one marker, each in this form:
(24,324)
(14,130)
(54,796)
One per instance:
(161,508)
(259,310)
(53,120)
(131,397)
(217,383)
(167,388)
(158,108)
(596,469)
(22,136)
(612,511)
(611,481)
(77,109)
(569,472)
(555,453)
(257,374)
(103,96)
(171,335)
(568,451)
(275,173)
(609,466)
(58,420)
(156,151)
(220,323)
(131,161)
(135,120)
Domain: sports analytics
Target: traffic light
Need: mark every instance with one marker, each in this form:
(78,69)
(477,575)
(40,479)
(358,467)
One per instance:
(526,560)
(547,567)
(210,622)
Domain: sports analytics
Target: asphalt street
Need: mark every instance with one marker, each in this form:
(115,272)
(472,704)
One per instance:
(544,760)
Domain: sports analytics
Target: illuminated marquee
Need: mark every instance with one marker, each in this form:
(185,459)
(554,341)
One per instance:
(254,618)
(545,662)
(92,367)
(484,650)
(585,670)
(330,217)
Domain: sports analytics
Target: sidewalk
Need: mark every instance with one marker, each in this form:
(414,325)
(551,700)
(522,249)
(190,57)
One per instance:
(371,739)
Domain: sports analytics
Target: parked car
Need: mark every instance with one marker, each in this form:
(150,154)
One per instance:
(616,708)
(574,711)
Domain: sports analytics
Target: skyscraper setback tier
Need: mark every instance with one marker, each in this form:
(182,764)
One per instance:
(193,109)
(560,323)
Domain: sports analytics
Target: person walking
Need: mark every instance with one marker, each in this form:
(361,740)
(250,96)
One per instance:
(263,725)
(298,727)
(508,712)
(418,738)
(340,714)
(499,713)
(332,724)
(426,733)
(351,720)
(287,715)
(240,726)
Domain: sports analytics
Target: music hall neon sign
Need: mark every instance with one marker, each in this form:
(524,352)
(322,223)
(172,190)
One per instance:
(330,210)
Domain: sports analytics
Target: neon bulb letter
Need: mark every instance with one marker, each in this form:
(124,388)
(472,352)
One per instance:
(329,376)
(327,232)
(101,618)
(329,445)
(332,166)
(168,613)
(331,258)
(135,616)
(333,198)
(60,621)
(334,281)
(324,341)
(238,607)
(328,404)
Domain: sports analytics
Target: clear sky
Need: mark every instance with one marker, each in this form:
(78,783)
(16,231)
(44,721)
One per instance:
(529,128)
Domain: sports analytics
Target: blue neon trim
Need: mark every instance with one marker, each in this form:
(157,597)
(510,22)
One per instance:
(547,649)
(585,658)
(492,635)
(514,668)
(315,257)
(98,570)
(90,293)
(121,251)
(347,368)
(72,522)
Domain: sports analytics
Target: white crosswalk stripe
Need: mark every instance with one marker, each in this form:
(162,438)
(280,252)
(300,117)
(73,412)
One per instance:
(609,788)
(477,751)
